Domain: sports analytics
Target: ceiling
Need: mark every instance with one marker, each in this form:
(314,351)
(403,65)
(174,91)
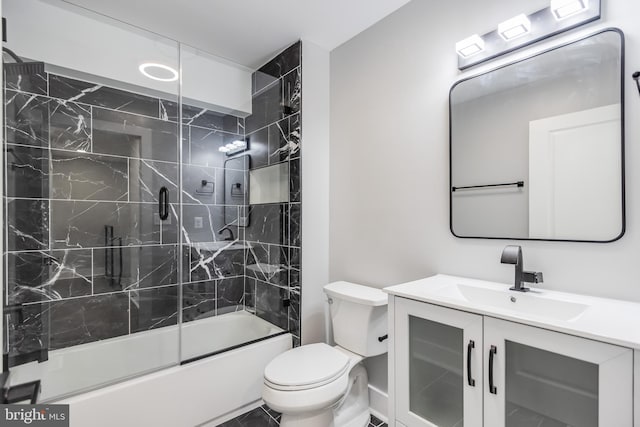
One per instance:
(248,32)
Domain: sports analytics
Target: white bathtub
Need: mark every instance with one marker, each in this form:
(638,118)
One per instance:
(88,366)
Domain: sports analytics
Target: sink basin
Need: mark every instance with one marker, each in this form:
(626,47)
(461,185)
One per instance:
(528,304)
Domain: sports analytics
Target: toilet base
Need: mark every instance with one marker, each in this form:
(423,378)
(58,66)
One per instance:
(322,418)
(353,411)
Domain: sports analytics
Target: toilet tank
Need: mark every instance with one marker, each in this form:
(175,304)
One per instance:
(359,317)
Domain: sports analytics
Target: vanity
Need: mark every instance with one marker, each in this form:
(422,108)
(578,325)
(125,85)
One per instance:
(472,352)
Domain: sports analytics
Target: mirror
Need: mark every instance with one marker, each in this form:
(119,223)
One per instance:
(537,148)
(236,191)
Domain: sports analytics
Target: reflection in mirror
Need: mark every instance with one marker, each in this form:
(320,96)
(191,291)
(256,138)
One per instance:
(537,146)
(236,191)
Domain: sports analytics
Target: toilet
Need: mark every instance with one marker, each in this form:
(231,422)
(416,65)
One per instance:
(317,385)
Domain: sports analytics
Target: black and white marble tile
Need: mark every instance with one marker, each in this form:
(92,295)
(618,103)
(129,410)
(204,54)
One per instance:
(270,304)
(82,320)
(294,280)
(16,79)
(70,125)
(28,224)
(154,308)
(292,90)
(283,63)
(294,238)
(102,96)
(86,176)
(27,172)
(250,295)
(266,108)
(208,262)
(258,143)
(195,190)
(80,224)
(26,119)
(48,275)
(294,313)
(201,117)
(279,262)
(267,224)
(27,336)
(201,223)
(257,261)
(198,300)
(294,181)
(230,295)
(147,177)
(129,268)
(131,135)
(204,118)
(295,136)
(169,226)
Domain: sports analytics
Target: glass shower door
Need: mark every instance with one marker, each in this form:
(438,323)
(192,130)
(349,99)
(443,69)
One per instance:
(91,184)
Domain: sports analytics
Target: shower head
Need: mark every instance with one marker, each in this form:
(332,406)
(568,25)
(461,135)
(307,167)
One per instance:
(20,67)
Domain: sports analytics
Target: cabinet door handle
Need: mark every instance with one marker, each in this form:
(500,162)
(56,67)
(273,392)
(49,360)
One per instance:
(163,203)
(492,352)
(470,347)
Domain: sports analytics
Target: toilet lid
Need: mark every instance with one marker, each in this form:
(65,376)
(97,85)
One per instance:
(306,365)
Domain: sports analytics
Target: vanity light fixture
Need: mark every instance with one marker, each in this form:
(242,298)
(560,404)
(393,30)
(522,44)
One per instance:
(159,72)
(233,147)
(515,27)
(470,46)
(523,30)
(562,9)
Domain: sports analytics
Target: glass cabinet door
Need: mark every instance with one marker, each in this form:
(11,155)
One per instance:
(536,377)
(439,377)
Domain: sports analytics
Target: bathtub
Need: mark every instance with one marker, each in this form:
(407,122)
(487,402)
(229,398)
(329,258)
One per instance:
(89,366)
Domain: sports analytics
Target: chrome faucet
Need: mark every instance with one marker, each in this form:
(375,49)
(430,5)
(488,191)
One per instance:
(513,255)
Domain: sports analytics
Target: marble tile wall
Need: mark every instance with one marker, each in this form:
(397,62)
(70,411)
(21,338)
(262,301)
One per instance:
(87,257)
(273,134)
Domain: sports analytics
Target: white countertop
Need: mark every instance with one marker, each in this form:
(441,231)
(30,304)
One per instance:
(602,319)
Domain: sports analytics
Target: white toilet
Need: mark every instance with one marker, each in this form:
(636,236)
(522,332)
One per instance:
(317,385)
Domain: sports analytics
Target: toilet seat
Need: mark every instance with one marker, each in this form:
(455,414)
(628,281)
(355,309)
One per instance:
(306,367)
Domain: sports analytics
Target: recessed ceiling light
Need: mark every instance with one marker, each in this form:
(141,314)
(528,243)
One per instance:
(515,27)
(470,46)
(159,72)
(565,8)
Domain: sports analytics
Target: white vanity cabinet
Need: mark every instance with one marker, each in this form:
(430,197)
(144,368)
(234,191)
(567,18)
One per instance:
(451,368)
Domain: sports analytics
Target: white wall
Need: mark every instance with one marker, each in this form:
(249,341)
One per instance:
(315,190)
(390,160)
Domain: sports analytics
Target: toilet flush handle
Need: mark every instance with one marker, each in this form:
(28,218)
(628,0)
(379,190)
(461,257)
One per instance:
(384,337)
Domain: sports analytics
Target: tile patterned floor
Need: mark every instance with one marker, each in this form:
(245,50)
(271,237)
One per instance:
(265,417)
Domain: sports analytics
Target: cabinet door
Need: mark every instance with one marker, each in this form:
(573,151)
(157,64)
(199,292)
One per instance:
(438,364)
(535,377)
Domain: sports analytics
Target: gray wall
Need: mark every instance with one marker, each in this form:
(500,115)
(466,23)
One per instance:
(389,158)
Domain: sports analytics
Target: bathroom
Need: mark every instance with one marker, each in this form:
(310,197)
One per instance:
(153,283)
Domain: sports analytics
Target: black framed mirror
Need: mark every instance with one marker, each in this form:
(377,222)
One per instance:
(236,190)
(537,146)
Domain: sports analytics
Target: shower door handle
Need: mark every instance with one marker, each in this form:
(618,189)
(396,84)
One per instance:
(163,203)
